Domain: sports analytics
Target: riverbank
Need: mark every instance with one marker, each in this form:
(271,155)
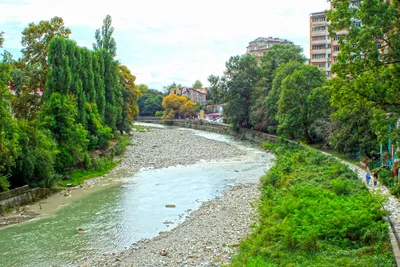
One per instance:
(209,237)
(157,148)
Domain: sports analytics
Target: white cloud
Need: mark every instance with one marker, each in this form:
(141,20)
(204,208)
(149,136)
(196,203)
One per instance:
(175,38)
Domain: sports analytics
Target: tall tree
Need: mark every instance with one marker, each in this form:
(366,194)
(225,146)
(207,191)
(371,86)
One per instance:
(150,102)
(368,66)
(295,110)
(144,89)
(170,87)
(237,88)
(104,39)
(1,39)
(274,57)
(178,106)
(271,101)
(9,148)
(35,41)
(25,104)
(131,94)
(197,85)
(58,115)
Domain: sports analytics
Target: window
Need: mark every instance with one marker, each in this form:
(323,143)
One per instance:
(334,59)
(318,56)
(336,48)
(321,66)
(318,19)
(318,28)
(328,74)
(319,47)
(319,38)
(336,38)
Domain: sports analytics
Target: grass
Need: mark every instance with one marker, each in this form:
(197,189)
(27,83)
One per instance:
(315,212)
(78,176)
(99,165)
(140,129)
(337,154)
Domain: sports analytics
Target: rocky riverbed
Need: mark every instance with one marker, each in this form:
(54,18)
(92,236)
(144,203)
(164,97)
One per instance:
(211,234)
(209,237)
(161,148)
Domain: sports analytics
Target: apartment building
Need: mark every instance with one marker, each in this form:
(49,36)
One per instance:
(262,44)
(323,49)
(320,43)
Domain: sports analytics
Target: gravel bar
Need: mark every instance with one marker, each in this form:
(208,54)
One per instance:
(211,234)
(162,148)
(209,237)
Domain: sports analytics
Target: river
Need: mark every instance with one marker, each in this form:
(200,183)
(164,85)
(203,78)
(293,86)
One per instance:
(134,207)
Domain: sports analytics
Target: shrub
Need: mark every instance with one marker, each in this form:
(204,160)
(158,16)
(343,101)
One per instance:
(395,190)
(159,113)
(385,177)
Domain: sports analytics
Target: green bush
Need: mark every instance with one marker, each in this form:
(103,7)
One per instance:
(58,116)
(159,113)
(123,142)
(395,190)
(315,212)
(38,155)
(385,177)
(4,183)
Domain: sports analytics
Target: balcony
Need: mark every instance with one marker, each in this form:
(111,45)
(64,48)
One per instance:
(318,60)
(321,51)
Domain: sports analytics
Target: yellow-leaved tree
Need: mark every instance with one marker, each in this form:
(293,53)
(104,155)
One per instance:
(178,106)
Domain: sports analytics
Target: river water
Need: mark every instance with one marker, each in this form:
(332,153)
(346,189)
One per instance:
(122,213)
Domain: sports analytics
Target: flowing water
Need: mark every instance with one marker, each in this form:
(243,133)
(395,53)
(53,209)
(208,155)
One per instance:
(125,212)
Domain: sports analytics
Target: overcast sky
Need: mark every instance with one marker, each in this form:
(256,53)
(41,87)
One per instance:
(165,41)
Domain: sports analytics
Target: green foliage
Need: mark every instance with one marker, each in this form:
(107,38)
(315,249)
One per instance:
(35,41)
(395,190)
(104,39)
(197,85)
(4,183)
(369,81)
(237,87)
(99,134)
(37,158)
(297,102)
(58,115)
(271,101)
(25,102)
(315,212)
(385,177)
(159,113)
(131,94)
(120,147)
(150,103)
(100,166)
(1,39)
(88,97)
(278,55)
(9,148)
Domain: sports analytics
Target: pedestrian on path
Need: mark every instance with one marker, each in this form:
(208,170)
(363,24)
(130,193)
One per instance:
(375,174)
(368,178)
